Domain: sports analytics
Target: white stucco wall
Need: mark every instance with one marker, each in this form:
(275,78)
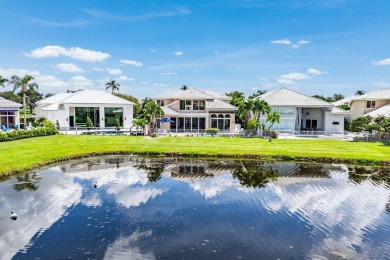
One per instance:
(329,123)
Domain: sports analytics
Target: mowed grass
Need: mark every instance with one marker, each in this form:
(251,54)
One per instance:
(24,154)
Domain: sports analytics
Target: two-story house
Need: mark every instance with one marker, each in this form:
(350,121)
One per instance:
(374,104)
(194,110)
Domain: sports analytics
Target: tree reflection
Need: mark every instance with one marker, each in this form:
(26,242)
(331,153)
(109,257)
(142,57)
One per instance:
(359,174)
(254,174)
(27,182)
(153,170)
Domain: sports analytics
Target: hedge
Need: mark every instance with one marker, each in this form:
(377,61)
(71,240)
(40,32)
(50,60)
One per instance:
(48,129)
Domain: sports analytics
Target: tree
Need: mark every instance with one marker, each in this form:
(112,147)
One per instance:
(360,124)
(144,101)
(152,112)
(237,98)
(49,95)
(244,111)
(360,93)
(113,85)
(184,87)
(383,122)
(23,83)
(253,124)
(11,96)
(260,107)
(136,108)
(337,97)
(257,94)
(33,96)
(3,81)
(139,123)
(273,118)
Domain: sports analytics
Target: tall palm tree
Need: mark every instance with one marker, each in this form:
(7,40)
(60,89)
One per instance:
(113,85)
(184,87)
(23,83)
(260,107)
(152,112)
(273,118)
(337,97)
(3,81)
(244,111)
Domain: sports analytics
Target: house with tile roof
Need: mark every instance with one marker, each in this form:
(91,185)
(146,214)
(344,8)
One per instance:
(72,109)
(9,113)
(374,104)
(301,112)
(194,110)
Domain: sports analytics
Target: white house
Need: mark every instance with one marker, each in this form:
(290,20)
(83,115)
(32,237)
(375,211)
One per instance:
(375,103)
(9,113)
(301,112)
(72,109)
(194,110)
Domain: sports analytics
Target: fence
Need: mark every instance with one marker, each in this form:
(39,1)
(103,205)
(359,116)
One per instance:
(101,131)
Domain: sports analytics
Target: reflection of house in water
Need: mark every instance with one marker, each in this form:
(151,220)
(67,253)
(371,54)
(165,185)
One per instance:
(94,164)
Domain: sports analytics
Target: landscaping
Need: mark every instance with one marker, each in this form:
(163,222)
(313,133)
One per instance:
(21,155)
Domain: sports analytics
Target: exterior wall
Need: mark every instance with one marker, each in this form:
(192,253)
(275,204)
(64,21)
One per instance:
(313,114)
(359,107)
(330,119)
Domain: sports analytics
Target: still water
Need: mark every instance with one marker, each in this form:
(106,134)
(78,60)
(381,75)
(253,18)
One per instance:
(169,208)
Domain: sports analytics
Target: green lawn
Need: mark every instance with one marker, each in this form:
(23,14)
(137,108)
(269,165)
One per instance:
(27,153)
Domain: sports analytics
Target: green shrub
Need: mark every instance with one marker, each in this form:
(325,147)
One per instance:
(360,124)
(212,131)
(117,124)
(89,123)
(49,129)
(273,134)
(253,124)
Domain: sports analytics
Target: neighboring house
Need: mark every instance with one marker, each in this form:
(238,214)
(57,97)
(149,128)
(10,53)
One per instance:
(300,112)
(374,104)
(9,113)
(195,110)
(72,109)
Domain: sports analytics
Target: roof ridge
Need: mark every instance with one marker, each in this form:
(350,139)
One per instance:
(205,93)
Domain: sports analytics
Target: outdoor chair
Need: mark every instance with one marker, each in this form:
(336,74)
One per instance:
(4,128)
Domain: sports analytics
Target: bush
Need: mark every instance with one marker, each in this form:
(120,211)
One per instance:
(373,127)
(253,124)
(117,124)
(360,124)
(212,131)
(273,134)
(23,134)
(89,123)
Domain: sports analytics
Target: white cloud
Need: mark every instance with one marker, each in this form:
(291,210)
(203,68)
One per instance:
(114,71)
(167,73)
(283,41)
(125,78)
(49,81)
(132,62)
(98,69)
(381,62)
(290,78)
(314,71)
(80,81)
(7,73)
(51,51)
(178,53)
(300,43)
(69,67)
(144,82)
(159,85)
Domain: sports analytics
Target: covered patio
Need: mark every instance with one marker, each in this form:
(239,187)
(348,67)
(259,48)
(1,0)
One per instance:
(9,114)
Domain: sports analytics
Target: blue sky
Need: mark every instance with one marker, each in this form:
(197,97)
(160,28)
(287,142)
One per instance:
(315,47)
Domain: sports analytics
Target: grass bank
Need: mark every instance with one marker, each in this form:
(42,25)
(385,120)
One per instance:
(21,155)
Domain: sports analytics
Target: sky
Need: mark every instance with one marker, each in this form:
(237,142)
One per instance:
(314,47)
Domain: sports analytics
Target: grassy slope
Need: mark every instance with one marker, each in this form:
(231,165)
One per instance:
(23,154)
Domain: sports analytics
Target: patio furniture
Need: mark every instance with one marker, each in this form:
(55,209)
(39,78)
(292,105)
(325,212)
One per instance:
(4,128)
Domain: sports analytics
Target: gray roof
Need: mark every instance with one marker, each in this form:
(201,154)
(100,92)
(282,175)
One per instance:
(82,97)
(168,111)
(344,101)
(219,104)
(382,111)
(8,103)
(192,93)
(339,111)
(379,94)
(287,97)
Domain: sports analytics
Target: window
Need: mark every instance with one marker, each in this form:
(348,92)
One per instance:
(82,113)
(185,104)
(222,122)
(111,114)
(335,123)
(160,102)
(61,107)
(370,104)
(287,111)
(198,105)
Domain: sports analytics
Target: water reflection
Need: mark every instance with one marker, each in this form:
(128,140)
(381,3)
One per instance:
(147,208)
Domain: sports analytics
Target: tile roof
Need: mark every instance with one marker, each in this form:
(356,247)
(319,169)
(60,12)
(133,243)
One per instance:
(83,97)
(380,94)
(192,93)
(287,97)
(344,101)
(382,111)
(339,111)
(219,104)
(8,103)
(169,111)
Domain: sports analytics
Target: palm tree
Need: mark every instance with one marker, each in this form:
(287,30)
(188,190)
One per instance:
(113,85)
(260,107)
(337,97)
(139,123)
(152,112)
(237,98)
(244,111)
(273,118)
(23,83)
(360,92)
(184,87)
(3,81)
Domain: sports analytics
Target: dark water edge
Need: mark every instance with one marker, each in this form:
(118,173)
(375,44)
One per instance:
(175,208)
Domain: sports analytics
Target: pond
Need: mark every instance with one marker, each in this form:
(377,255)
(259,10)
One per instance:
(130,207)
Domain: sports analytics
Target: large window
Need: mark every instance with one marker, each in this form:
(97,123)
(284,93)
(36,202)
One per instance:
(222,122)
(82,113)
(7,118)
(370,104)
(111,114)
(160,102)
